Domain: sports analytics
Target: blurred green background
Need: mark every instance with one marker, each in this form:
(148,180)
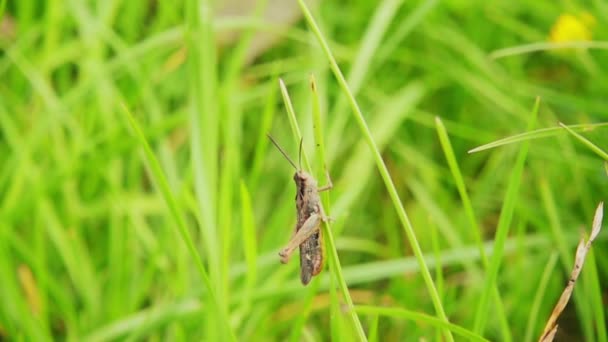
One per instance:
(91,249)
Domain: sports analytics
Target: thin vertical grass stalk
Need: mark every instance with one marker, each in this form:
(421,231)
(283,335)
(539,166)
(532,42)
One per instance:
(407,226)
(333,253)
(329,238)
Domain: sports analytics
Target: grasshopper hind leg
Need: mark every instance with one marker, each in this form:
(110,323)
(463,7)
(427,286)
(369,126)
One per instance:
(309,228)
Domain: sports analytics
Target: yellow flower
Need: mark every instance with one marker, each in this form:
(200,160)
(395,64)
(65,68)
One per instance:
(569,28)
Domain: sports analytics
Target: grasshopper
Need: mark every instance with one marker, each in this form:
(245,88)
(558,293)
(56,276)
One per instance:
(307,234)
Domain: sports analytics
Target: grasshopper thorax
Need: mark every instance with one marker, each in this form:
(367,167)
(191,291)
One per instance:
(305,183)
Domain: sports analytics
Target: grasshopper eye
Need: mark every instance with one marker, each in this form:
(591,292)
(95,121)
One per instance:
(298,176)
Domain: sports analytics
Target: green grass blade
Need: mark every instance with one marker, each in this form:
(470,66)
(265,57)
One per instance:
(594,288)
(421,318)
(450,157)
(151,317)
(413,19)
(373,329)
(547,46)
(298,327)
(439,277)
(538,297)
(360,167)
(502,231)
(2,8)
(249,244)
(293,122)
(205,126)
(409,230)
(536,134)
(337,283)
(586,142)
(321,169)
(177,214)
(262,142)
(16,315)
(368,48)
(74,256)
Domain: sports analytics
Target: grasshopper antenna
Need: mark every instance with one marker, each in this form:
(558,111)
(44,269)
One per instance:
(283,152)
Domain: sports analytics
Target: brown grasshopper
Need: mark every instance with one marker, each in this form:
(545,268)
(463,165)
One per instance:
(307,234)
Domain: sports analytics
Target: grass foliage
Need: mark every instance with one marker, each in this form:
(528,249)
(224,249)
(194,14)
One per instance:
(141,199)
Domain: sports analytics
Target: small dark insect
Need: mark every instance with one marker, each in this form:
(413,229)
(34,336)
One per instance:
(307,234)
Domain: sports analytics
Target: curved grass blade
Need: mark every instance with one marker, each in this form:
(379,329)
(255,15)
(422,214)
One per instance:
(586,142)
(420,317)
(536,134)
(546,46)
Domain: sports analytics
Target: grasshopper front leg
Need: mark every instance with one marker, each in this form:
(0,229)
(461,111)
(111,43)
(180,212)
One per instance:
(310,226)
(329,184)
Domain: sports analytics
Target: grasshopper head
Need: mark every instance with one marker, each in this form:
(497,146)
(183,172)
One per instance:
(300,177)
(303,179)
